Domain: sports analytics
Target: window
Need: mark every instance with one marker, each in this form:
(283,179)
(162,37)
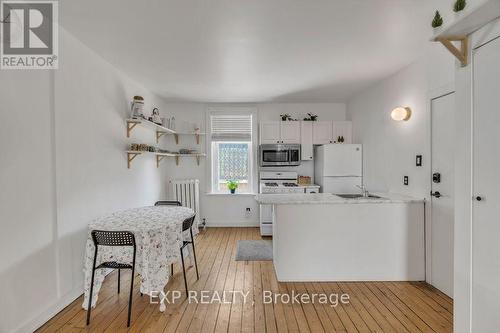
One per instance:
(231,151)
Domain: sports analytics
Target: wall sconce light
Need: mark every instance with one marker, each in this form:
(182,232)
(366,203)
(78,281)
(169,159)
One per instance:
(401,113)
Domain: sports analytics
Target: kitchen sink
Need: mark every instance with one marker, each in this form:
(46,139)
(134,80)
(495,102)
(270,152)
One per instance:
(358,196)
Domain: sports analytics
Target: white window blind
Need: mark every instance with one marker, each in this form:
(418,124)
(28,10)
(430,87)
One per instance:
(231,127)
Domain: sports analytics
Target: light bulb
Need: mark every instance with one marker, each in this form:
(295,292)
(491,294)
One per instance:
(401,113)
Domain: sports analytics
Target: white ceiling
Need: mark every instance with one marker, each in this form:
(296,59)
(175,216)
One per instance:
(253,50)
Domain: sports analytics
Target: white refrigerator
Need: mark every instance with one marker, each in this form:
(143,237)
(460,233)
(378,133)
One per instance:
(338,168)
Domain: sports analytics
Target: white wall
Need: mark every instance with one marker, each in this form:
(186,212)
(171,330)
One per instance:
(62,165)
(390,147)
(226,210)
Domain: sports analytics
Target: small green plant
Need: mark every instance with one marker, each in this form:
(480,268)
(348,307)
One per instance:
(438,20)
(311,117)
(232,185)
(285,117)
(459,5)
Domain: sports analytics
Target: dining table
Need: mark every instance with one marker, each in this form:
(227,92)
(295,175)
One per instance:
(158,237)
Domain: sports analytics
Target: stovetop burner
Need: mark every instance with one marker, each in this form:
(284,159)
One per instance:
(290,185)
(271,184)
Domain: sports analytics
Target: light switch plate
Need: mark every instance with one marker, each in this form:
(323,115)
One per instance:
(405,180)
(418,160)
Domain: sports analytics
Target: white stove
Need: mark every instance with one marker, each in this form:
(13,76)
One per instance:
(275,182)
(279,182)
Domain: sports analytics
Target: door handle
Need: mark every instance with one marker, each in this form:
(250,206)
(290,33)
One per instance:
(436,194)
(478,198)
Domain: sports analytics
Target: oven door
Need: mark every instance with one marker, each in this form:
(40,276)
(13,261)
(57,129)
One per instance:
(274,155)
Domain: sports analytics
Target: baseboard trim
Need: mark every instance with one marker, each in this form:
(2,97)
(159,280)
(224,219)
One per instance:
(35,323)
(230,224)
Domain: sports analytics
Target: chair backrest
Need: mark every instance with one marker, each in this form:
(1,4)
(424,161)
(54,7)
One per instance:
(187,223)
(168,203)
(113,238)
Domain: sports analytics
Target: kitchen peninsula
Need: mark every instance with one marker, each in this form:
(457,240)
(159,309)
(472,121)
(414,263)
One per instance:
(378,238)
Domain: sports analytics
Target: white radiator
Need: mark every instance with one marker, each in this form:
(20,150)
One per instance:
(187,192)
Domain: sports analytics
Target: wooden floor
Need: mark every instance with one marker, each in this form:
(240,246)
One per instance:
(374,307)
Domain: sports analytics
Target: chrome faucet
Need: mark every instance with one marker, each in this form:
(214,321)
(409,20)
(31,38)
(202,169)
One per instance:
(363,190)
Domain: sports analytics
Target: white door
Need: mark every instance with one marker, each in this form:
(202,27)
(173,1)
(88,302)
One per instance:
(342,129)
(442,202)
(306,140)
(322,132)
(486,189)
(290,132)
(270,132)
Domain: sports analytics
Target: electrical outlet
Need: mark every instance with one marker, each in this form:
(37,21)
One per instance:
(248,212)
(405,180)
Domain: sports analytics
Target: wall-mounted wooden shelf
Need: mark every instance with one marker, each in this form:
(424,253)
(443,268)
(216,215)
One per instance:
(131,154)
(460,29)
(196,135)
(159,129)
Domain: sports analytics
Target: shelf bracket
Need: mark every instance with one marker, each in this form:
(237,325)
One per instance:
(130,158)
(176,160)
(130,125)
(462,53)
(158,160)
(197,139)
(159,134)
(176,136)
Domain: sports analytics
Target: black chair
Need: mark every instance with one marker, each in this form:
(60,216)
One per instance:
(188,225)
(112,238)
(168,203)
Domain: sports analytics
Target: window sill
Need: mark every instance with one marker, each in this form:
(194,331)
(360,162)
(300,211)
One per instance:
(232,194)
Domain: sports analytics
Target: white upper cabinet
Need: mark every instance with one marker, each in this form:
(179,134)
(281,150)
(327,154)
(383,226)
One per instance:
(290,131)
(270,132)
(322,132)
(342,129)
(306,133)
(306,140)
(279,132)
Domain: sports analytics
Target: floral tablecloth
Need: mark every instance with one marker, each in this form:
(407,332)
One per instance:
(158,237)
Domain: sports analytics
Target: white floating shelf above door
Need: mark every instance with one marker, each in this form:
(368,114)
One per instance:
(460,29)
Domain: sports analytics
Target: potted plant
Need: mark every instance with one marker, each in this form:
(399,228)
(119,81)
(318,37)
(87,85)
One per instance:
(312,117)
(285,117)
(232,185)
(459,6)
(437,22)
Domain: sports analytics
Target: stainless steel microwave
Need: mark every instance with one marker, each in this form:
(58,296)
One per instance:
(279,155)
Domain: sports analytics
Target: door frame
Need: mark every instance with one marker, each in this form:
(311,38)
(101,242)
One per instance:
(442,91)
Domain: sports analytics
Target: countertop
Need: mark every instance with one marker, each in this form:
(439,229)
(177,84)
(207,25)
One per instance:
(328,198)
